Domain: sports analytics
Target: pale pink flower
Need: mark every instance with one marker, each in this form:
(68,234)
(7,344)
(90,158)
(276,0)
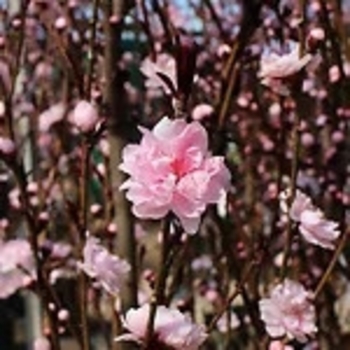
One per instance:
(61,23)
(85,116)
(51,116)
(223,50)
(225,324)
(317,34)
(288,311)
(334,74)
(275,68)
(172,170)
(63,315)
(202,111)
(313,226)
(41,344)
(17,266)
(171,328)
(14,198)
(165,65)
(107,269)
(7,146)
(60,250)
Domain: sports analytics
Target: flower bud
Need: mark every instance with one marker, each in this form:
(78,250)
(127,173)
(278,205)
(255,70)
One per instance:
(85,116)
(7,146)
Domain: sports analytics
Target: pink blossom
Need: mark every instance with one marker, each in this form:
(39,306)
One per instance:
(60,250)
(63,315)
(223,50)
(7,146)
(313,226)
(85,116)
(61,23)
(317,34)
(51,116)
(288,311)
(17,266)
(165,65)
(225,324)
(274,68)
(14,198)
(334,74)
(108,269)
(172,170)
(41,344)
(202,111)
(171,328)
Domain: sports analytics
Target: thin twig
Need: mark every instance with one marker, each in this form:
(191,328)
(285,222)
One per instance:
(331,265)
(233,296)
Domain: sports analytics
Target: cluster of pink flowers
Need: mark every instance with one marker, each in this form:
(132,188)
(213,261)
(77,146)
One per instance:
(107,269)
(313,226)
(172,170)
(171,328)
(288,311)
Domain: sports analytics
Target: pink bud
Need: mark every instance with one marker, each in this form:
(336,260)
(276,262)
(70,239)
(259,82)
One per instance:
(101,169)
(73,3)
(112,228)
(317,34)
(321,120)
(275,109)
(16,23)
(334,74)
(202,111)
(41,344)
(95,208)
(4,223)
(63,315)
(32,187)
(7,146)
(338,136)
(60,23)
(85,116)
(243,101)
(44,216)
(223,50)
(212,295)
(307,139)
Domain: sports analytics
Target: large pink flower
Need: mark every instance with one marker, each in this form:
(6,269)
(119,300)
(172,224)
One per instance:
(314,227)
(172,170)
(171,328)
(288,311)
(17,266)
(107,269)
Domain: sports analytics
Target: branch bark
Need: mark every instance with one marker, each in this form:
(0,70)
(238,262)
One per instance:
(118,131)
